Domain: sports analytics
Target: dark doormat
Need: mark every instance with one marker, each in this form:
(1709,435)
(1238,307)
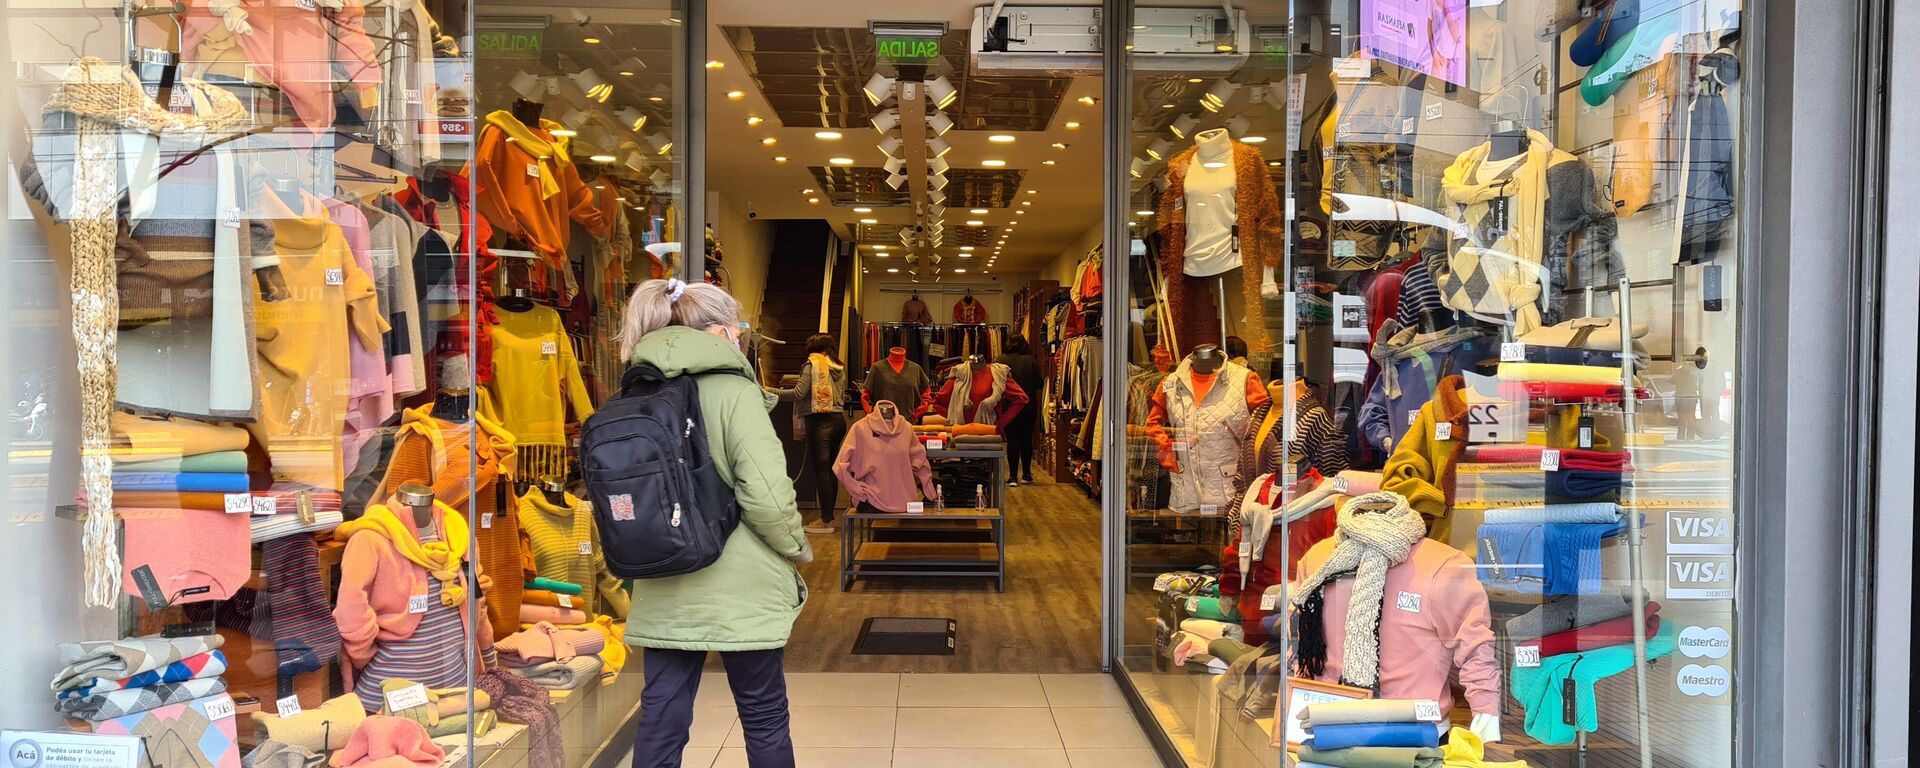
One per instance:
(906,636)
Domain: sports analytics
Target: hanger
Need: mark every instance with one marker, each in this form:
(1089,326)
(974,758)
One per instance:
(346,172)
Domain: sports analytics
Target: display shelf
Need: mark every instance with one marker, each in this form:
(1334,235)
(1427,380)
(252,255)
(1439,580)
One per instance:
(870,558)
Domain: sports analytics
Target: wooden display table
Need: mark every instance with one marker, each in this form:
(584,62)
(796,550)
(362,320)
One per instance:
(931,543)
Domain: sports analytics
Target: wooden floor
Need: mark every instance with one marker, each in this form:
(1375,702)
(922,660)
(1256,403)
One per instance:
(1047,622)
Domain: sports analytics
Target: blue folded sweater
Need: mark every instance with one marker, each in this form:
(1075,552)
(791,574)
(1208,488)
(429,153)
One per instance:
(1325,737)
(1551,559)
(190,482)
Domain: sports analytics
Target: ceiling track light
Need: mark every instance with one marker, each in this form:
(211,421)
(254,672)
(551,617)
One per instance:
(1159,148)
(1217,96)
(890,146)
(886,120)
(938,123)
(941,93)
(938,147)
(634,119)
(1183,126)
(938,165)
(879,89)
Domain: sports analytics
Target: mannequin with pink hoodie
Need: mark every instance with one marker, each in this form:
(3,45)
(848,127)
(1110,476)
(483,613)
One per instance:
(881,462)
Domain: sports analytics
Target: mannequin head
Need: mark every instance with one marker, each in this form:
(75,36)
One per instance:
(1207,358)
(897,355)
(886,410)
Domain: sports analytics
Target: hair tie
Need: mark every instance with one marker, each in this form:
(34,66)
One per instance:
(675,289)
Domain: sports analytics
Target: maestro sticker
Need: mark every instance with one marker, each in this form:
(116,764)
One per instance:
(1708,680)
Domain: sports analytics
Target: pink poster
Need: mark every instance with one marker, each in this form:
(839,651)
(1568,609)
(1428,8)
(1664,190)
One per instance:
(1427,36)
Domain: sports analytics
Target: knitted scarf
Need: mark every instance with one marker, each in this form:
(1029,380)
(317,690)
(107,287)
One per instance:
(519,700)
(820,388)
(960,405)
(1367,542)
(441,558)
(1401,343)
(1493,271)
(533,143)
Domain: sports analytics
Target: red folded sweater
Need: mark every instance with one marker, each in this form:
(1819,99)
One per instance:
(1570,458)
(1567,392)
(1607,633)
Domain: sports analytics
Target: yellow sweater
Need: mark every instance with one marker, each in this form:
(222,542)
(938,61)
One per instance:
(1421,467)
(535,379)
(563,547)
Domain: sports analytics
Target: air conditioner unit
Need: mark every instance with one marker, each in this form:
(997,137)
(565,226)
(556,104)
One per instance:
(1062,40)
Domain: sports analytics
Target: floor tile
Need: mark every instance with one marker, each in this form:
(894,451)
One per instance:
(1097,728)
(1113,758)
(714,691)
(834,727)
(816,757)
(711,726)
(972,691)
(691,757)
(980,758)
(990,727)
(1095,690)
(842,689)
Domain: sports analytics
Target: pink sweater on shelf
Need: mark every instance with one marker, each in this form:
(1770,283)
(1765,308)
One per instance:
(880,461)
(1435,621)
(291,45)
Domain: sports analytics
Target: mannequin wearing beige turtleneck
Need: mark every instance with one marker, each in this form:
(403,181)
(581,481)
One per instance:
(1212,211)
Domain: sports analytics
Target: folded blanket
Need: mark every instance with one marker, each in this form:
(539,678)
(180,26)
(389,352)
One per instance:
(1610,632)
(1563,392)
(195,667)
(275,754)
(1229,649)
(1563,685)
(389,742)
(91,663)
(1212,629)
(554,586)
(1570,458)
(562,675)
(1564,374)
(100,707)
(534,614)
(1362,711)
(974,429)
(1537,353)
(1554,513)
(1330,737)
(1556,559)
(223,461)
(1373,757)
(280,526)
(1582,484)
(219,482)
(321,729)
(287,501)
(455,725)
(1563,612)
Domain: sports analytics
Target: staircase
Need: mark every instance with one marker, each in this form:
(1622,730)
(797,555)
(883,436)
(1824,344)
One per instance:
(790,309)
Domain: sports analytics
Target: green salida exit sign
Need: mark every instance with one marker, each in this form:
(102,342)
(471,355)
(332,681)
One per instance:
(909,49)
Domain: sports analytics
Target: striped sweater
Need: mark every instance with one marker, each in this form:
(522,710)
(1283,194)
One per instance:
(563,547)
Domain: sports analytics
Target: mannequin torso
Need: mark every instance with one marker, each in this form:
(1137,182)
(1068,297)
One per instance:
(1212,247)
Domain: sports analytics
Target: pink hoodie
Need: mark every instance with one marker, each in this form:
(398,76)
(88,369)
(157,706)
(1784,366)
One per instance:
(1435,621)
(880,460)
(291,44)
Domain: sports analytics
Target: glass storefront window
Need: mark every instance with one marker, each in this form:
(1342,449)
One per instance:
(1432,403)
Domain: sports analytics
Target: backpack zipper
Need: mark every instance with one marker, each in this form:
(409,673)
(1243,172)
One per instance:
(676,514)
(689,430)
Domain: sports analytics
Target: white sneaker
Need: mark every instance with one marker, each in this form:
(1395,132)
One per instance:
(819,528)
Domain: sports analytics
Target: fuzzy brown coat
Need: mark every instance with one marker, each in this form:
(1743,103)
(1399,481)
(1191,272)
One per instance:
(1262,236)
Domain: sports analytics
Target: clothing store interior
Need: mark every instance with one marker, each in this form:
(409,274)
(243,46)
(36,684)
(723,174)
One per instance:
(1418,333)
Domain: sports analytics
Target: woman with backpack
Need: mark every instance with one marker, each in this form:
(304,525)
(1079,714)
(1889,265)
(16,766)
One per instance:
(820,421)
(744,604)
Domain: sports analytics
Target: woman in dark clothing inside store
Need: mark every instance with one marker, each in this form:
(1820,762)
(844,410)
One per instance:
(1019,361)
(820,422)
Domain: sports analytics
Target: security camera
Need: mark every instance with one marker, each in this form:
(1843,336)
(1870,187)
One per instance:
(751,213)
(581,18)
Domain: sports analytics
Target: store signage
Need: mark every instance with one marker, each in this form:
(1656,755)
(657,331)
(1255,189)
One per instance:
(525,44)
(1426,36)
(1700,577)
(1700,532)
(58,749)
(1707,680)
(1704,642)
(908,50)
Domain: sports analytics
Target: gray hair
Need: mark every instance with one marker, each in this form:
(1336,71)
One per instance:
(657,304)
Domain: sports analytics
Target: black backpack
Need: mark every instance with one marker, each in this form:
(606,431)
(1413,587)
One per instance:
(659,503)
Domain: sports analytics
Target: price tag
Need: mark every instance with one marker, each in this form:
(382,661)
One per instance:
(220,708)
(533,169)
(1406,126)
(417,604)
(1160,583)
(1413,416)
(549,348)
(1513,352)
(1550,460)
(935,445)
(265,505)
(239,503)
(920,508)
(230,218)
(1340,485)
(486,519)
(402,699)
(307,5)
(1433,111)
(586,548)
(1526,656)
(1351,68)
(1209,509)
(413,95)
(288,706)
(1426,711)
(336,276)
(1443,430)
(1408,601)
(1269,599)
(1193,605)
(566,601)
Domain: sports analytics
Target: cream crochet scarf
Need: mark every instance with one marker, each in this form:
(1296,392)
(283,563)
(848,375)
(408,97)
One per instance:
(1375,532)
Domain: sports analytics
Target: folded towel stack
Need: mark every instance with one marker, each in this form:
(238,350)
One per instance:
(103,681)
(1371,732)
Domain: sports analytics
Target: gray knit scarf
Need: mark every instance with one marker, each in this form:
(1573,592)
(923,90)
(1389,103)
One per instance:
(1367,541)
(1400,342)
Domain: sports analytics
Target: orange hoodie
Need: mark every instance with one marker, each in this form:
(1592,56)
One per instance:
(529,188)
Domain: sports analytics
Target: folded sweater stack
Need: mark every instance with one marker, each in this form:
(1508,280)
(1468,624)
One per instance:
(103,681)
(1550,550)
(1382,732)
(560,658)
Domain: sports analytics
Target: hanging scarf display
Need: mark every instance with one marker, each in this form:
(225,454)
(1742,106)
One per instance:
(1496,270)
(1374,532)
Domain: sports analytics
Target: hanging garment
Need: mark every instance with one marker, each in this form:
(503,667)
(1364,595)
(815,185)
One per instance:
(1411,365)
(392,239)
(1565,682)
(1257,215)
(968,310)
(536,382)
(980,396)
(532,188)
(1203,432)
(881,463)
(390,581)
(441,270)
(1422,465)
(294,46)
(910,387)
(914,312)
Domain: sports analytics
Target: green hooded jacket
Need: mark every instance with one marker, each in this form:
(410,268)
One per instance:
(748,599)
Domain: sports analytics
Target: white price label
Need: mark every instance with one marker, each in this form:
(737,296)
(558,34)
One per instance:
(1406,126)
(1513,352)
(1426,711)
(934,445)
(1340,485)
(1193,605)
(586,548)
(916,507)
(549,348)
(417,604)
(1413,416)
(1408,601)
(533,169)
(1209,509)
(239,503)
(566,601)
(1160,583)
(288,706)
(1526,656)
(220,708)
(336,276)
(230,218)
(1443,430)
(403,699)
(265,505)
(1433,111)
(1268,600)
(1550,460)
(306,5)
(486,519)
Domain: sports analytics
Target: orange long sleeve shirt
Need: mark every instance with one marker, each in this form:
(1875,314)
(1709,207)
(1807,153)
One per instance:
(1202,384)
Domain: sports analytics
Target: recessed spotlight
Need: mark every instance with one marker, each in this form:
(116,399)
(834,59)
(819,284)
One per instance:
(826,135)
(879,247)
(779,158)
(1143,213)
(1026,202)
(1019,213)
(755,120)
(974,222)
(893,270)
(736,95)
(656,99)
(1195,80)
(1033,191)
(769,141)
(602,158)
(1058,145)
(863,209)
(1223,47)
(1088,100)
(1048,162)
(966,247)
(978,211)
(564,132)
(1253,139)
(711,64)
(1168,105)
(626,73)
(993,163)
(840,160)
(807,191)
(813,201)
(592,41)
(869,221)
(1274,163)
(1001,138)
(1073,125)
(959,270)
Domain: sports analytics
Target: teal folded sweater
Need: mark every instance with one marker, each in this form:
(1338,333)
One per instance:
(550,585)
(1539,689)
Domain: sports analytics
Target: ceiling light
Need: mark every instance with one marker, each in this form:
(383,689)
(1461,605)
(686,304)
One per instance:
(893,270)
(827,135)
(879,89)
(564,132)
(807,191)
(602,159)
(813,201)
(715,65)
(1048,162)
(869,221)
(1273,163)
(1183,125)
(755,120)
(591,40)
(635,161)
(1223,47)
(894,165)
(1073,125)
(993,163)
(1143,213)
(939,165)
(966,247)
(1194,80)
(634,119)
(896,181)
(1058,145)
(1218,95)
(978,211)
(840,160)
(528,85)
(1168,105)
(937,182)
(941,92)
(659,178)
(939,123)
(736,95)
(1254,140)
(886,120)
(975,223)
(937,147)
(938,196)
(626,73)
(779,158)
(660,142)
(769,141)
(656,99)
(597,88)
(1033,191)
(1001,138)
(1159,148)
(880,247)
(863,209)
(890,146)
(959,270)
(1137,168)
(1020,213)
(1240,126)
(1213,164)
(1088,100)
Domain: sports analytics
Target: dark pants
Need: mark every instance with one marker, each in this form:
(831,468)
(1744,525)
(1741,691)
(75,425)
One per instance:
(666,706)
(1020,444)
(821,434)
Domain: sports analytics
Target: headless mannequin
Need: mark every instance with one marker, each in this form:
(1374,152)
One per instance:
(887,411)
(419,499)
(518,302)
(897,357)
(555,491)
(528,112)
(1211,184)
